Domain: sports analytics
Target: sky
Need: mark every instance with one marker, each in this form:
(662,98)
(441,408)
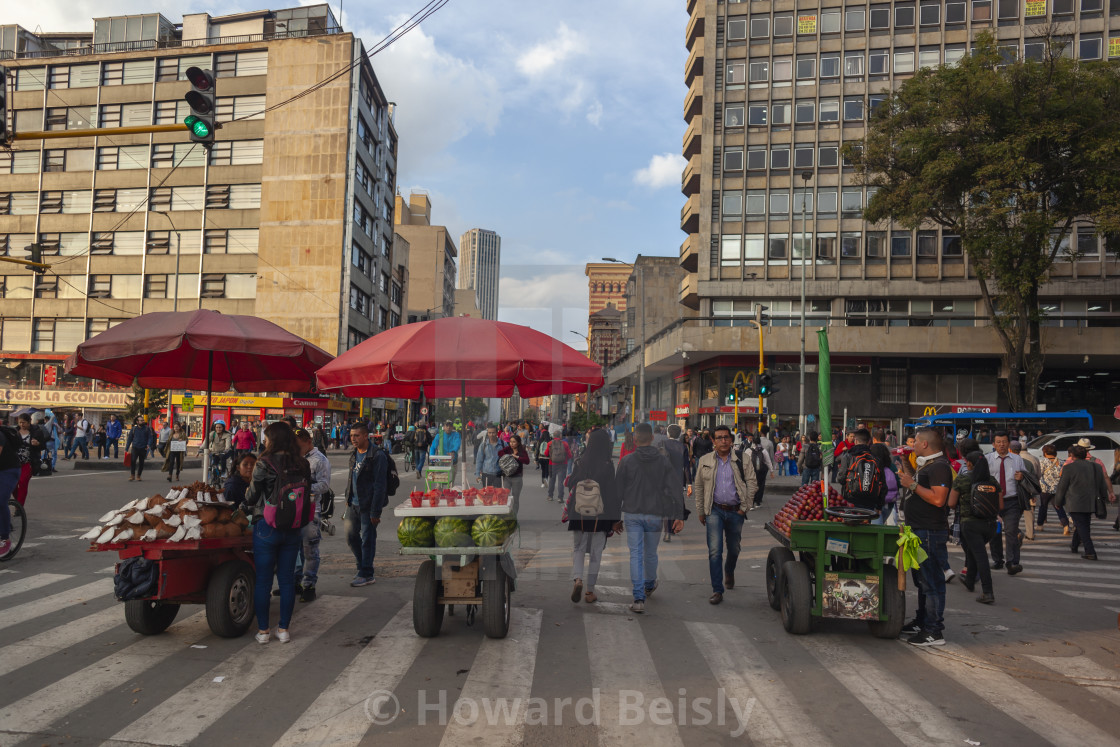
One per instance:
(556,123)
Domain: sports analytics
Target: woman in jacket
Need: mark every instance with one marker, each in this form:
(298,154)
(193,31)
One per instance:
(542,458)
(1082,482)
(1048,481)
(30,454)
(628,445)
(274,550)
(976,531)
(515,481)
(589,533)
(173,464)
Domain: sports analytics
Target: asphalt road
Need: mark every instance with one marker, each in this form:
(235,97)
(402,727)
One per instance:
(1038,667)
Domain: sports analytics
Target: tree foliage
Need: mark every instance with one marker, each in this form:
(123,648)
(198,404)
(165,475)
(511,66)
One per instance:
(582,420)
(157,400)
(474,408)
(1009,156)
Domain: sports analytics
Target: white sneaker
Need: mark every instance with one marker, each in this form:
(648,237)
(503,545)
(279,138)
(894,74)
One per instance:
(263,637)
(283,636)
(950,575)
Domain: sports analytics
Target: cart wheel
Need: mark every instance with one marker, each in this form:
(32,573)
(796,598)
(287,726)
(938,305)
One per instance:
(797,597)
(229,599)
(496,605)
(427,613)
(894,606)
(774,562)
(147,617)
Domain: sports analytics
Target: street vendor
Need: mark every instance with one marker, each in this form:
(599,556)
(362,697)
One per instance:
(447,442)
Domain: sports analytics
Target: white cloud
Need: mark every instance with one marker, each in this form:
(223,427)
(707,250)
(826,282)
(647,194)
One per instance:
(545,56)
(595,112)
(663,171)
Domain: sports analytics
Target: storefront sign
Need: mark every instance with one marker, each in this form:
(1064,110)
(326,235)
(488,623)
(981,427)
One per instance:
(808,24)
(187,404)
(659,416)
(316,403)
(728,409)
(681,411)
(982,409)
(225,400)
(63,398)
(1035,8)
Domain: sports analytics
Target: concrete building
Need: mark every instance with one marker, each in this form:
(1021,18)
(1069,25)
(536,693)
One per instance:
(466,303)
(773,93)
(605,337)
(431,259)
(480,267)
(606,283)
(287,217)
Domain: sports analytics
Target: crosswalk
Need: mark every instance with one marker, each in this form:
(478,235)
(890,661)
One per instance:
(355,672)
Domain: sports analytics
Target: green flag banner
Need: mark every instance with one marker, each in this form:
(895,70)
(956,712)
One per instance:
(824,395)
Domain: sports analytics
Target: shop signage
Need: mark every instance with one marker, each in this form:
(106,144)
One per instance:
(659,416)
(187,404)
(225,400)
(982,409)
(681,411)
(1035,8)
(56,398)
(315,403)
(1114,46)
(728,409)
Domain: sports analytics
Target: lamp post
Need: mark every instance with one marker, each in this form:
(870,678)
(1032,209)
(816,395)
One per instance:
(178,250)
(805,177)
(640,404)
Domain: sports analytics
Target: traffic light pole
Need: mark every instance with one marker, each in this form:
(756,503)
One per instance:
(98,131)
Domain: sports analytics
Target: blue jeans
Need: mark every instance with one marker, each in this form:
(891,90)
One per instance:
(52,449)
(307,564)
(723,525)
(362,538)
(81,443)
(419,455)
(557,473)
(643,532)
(274,554)
(810,475)
(116,444)
(930,580)
(884,514)
(9,478)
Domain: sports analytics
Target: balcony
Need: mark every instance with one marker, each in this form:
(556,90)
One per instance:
(691,143)
(695,29)
(690,215)
(694,100)
(689,295)
(690,177)
(690,252)
(695,64)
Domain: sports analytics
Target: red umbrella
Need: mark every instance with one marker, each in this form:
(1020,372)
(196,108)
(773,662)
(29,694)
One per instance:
(460,356)
(202,350)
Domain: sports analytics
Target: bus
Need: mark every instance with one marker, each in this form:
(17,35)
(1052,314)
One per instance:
(982,426)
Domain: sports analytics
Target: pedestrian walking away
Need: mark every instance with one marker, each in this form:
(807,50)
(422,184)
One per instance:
(1051,474)
(725,486)
(1081,489)
(559,454)
(594,512)
(978,498)
(366,497)
(811,459)
(140,439)
(649,496)
(927,515)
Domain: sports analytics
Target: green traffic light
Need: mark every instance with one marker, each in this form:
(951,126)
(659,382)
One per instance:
(197,126)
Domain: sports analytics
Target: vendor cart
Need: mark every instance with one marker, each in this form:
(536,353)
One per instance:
(470,576)
(216,572)
(842,570)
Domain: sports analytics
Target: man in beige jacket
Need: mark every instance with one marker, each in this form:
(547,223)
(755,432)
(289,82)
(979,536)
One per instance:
(724,487)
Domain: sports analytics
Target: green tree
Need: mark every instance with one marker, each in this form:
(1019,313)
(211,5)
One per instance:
(1007,155)
(157,400)
(474,408)
(581,420)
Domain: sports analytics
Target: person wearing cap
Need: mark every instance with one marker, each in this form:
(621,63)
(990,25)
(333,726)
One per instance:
(1087,444)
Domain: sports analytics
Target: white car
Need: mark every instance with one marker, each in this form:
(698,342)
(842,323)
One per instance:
(1104,443)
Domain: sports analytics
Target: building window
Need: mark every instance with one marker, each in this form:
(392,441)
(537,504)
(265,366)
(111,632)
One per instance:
(880,18)
(853,65)
(930,14)
(238,108)
(955,13)
(904,62)
(892,386)
(730,254)
(732,205)
(733,116)
(777,248)
(1089,49)
(237,153)
(830,110)
(851,202)
(736,29)
(927,245)
(756,158)
(803,157)
(733,159)
(900,245)
(1087,243)
(878,62)
(760,28)
(904,17)
(760,71)
(100,286)
(361,260)
(783,25)
(876,244)
(805,112)
(853,110)
(826,202)
(830,67)
(213,286)
(850,245)
(827,156)
(780,113)
(806,68)
(155,286)
(951,246)
(830,22)
(981,10)
(171,112)
(122,157)
(779,158)
(853,19)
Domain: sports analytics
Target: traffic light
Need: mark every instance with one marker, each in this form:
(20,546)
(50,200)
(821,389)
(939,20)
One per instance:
(761,318)
(766,384)
(3,105)
(202,121)
(35,252)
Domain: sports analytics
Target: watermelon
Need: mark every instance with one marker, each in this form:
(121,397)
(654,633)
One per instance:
(415,531)
(451,531)
(489,531)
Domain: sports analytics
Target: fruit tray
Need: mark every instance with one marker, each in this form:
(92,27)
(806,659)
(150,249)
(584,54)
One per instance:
(458,509)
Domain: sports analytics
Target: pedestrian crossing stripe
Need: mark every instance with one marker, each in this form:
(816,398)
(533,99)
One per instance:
(31,583)
(754,685)
(54,603)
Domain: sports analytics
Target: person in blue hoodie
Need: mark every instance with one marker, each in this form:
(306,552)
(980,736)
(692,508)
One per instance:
(113,430)
(140,439)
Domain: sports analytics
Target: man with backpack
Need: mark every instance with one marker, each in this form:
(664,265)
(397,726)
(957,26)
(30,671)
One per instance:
(811,459)
(862,483)
(81,436)
(559,454)
(760,461)
(366,497)
(307,566)
(723,489)
(646,482)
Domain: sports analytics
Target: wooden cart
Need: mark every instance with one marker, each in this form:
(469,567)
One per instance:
(216,572)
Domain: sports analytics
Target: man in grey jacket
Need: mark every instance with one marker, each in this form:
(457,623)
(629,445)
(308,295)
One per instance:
(307,565)
(1081,484)
(650,494)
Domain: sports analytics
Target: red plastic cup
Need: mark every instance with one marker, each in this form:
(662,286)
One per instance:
(417,501)
(468,500)
(433,502)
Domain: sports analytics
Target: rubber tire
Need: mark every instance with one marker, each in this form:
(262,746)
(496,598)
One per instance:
(777,557)
(797,597)
(427,613)
(19,527)
(496,605)
(894,604)
(149,618)
(229,599)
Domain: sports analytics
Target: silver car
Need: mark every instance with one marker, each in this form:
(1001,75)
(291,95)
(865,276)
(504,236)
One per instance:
(1105,444)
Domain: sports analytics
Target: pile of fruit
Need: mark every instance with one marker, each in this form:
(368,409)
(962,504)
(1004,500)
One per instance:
(806,505)
(185,513)
(455,531)
(488,496)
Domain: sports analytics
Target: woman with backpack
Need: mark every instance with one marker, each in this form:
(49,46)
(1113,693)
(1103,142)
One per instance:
(280,472)
(979,500)
(593,509)
(513,479)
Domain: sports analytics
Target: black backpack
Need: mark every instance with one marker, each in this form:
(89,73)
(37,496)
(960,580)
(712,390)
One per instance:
(10,439)
(758,460)
(290,505)
(863,483)
(984,500)
(392,479)
(813,456)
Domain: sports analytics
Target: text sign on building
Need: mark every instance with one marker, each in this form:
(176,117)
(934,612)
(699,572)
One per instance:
(658,416)
(49,397)
(1114,46)
(807,24)
(1035,8)
(982,409)
(681,411)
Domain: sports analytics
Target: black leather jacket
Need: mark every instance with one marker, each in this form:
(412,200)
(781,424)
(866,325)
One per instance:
(264,482)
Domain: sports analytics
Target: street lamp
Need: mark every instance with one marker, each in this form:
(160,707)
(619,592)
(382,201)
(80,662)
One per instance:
(642,347)
(805,177)
(178,251)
